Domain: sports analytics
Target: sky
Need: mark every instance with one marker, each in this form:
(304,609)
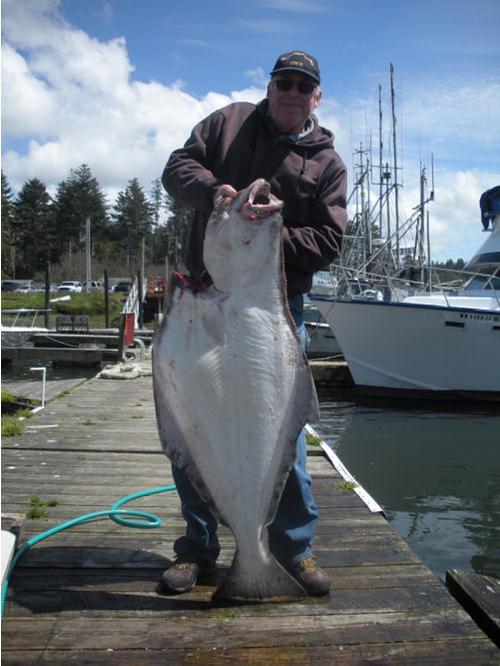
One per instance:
(119,84)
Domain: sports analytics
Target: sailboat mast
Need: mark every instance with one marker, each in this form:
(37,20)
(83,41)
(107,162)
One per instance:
(395,162)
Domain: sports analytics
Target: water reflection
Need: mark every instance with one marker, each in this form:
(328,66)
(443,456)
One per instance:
(436,473)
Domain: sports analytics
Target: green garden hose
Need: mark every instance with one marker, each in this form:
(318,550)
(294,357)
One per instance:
(146,520)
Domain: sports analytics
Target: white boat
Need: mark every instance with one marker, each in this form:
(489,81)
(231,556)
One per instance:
(432,345)
(21,328)
(322,342)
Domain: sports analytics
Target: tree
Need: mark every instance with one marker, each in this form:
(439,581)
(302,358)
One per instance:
(133,219)
(32,227)
(8,238)
(156,198)
(178,225)
(77,199)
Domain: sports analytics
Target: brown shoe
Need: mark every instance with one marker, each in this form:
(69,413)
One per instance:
(183,575)
(313,579)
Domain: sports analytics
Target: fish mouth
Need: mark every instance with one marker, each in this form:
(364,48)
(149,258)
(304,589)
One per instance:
(258,202)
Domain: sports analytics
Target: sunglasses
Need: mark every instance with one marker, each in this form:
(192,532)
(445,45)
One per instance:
(304,87)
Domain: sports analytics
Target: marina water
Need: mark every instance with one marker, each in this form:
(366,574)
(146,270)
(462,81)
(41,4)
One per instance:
(435,471)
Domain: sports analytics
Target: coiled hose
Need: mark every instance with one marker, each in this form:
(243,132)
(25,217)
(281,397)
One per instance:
(121,516)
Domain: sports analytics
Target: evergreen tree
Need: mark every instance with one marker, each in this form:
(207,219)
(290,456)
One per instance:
(178,225)
(8,237)
(32,223)
(133,218)
(156,198)
(77,199)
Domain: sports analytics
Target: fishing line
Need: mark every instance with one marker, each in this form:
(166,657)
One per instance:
(123,517)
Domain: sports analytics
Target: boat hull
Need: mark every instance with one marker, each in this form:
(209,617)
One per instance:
(416,350)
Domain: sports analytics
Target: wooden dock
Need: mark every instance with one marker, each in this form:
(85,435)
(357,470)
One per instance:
(89,595)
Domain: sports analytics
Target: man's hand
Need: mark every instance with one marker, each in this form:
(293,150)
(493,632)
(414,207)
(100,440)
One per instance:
(224,195)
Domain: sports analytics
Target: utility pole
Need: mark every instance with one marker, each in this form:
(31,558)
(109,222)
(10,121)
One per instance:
(143,255)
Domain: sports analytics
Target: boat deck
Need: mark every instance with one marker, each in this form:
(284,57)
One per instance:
(89,594)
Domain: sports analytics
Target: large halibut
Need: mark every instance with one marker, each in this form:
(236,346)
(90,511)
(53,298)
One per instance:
(232,386)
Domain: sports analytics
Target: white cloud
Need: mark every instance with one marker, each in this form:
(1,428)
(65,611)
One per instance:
(258,76)
(457,122)
(74,100)
(455,218)
(27,103)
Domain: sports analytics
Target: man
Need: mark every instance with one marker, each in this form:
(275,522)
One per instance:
(280,140)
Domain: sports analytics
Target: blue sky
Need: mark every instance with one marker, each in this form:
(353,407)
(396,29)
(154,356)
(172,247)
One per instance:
(118,84)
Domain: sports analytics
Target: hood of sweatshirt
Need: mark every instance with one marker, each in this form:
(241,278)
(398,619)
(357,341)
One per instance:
(313,138)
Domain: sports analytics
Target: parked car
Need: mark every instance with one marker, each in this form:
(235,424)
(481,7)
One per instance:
(94,285)
(17,285)
(122,286)
(70,285)
(10,285)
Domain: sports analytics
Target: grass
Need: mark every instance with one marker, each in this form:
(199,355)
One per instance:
(83,304)
(312,440)
(37,509)
(11,426)
(24,414)
(347,485)
(8,396)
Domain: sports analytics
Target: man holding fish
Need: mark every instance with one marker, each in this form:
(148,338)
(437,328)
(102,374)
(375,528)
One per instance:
(278,140)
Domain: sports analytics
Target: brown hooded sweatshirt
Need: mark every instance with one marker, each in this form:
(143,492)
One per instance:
(239,143)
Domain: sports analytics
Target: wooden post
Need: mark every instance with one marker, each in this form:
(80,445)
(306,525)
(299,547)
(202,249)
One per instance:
(140,295)
(47,295)
(106,299)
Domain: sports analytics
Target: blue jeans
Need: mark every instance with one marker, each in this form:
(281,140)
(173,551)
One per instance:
(292,531)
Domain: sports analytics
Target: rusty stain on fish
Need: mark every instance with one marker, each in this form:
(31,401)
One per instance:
(232,386)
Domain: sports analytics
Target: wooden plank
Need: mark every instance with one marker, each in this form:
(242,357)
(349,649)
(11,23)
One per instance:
(409,575)
(95,602)
(480,596)
(90,594)
(451,652)
(224,629)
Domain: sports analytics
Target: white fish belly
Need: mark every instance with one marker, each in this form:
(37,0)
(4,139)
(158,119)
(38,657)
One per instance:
(229,375)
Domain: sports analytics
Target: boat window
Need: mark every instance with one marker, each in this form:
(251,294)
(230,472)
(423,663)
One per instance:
(483,282)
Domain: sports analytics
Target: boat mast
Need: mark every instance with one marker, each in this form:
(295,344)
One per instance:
(423,227)
(395,162)
(380,157)
(421,231)
(431,198)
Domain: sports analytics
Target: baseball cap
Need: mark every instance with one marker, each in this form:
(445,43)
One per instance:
(298,61)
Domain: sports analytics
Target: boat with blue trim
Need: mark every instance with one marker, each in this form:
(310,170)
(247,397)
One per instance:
(437,344)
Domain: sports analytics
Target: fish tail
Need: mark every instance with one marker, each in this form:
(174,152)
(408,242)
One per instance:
(264,579)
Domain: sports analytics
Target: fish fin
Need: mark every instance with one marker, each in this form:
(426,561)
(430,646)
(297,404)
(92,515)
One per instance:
(267,580)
